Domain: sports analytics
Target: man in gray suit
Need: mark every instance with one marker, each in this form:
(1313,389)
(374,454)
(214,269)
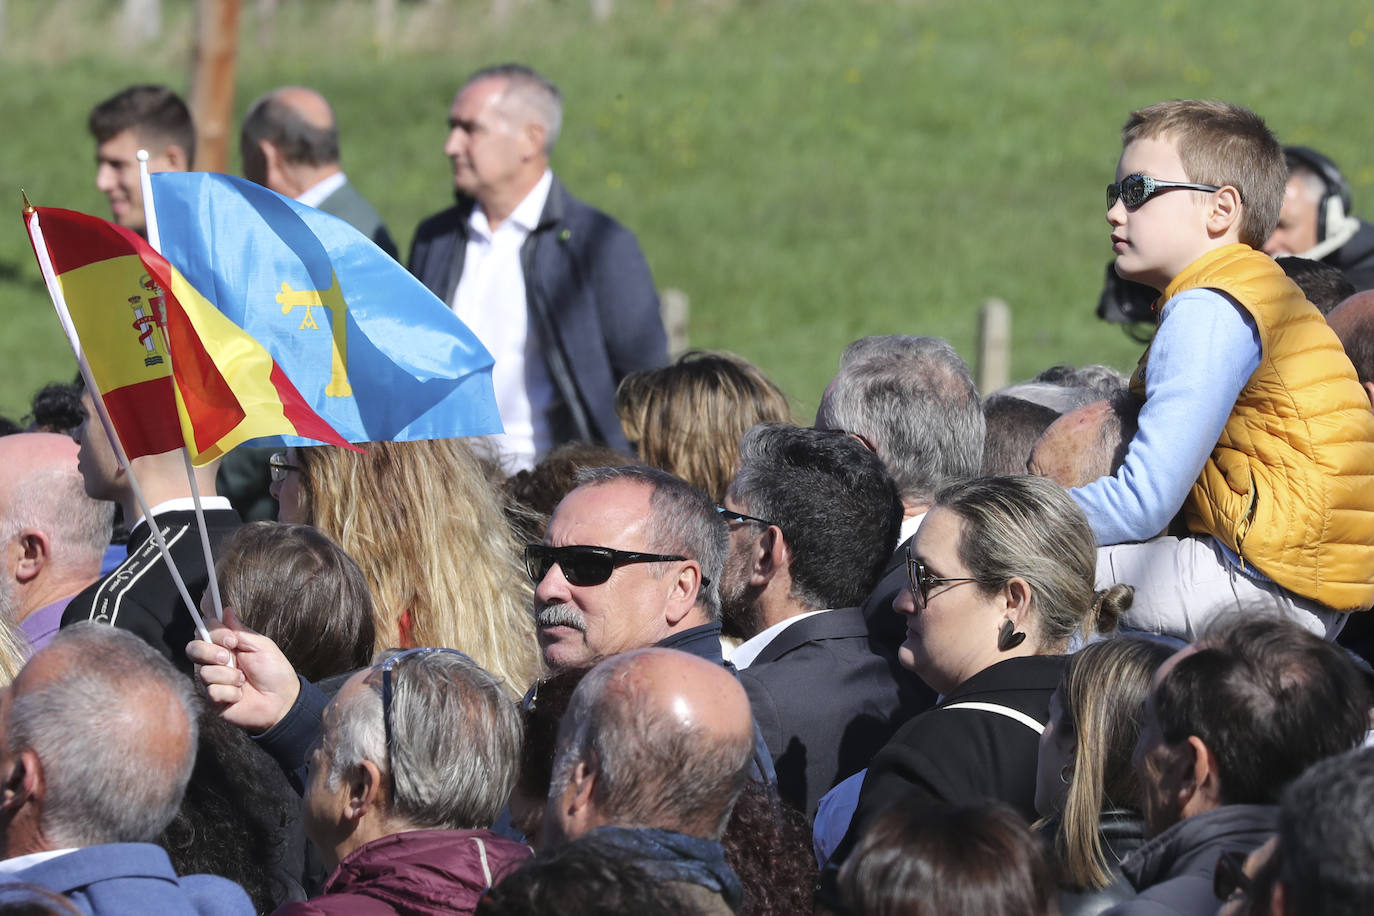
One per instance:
(290,143)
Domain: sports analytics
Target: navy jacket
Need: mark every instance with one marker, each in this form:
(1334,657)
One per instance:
(1174,871)
(591,301)
(119,878)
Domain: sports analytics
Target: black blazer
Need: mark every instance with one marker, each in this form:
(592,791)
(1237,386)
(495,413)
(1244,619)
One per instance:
(826,698)
(962,756)
(885,624)
(591,300)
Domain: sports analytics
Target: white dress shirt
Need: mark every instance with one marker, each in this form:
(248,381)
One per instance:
(491,301)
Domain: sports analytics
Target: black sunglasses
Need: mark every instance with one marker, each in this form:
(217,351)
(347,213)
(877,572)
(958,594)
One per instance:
(387,667)
(583,565)
(730,515)
(1230,877)
(921,580)
(1134,190)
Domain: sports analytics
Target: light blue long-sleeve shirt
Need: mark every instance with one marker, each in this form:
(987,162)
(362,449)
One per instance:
(1204,352)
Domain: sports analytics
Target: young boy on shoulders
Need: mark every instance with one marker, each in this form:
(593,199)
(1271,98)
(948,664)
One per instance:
(1253,422)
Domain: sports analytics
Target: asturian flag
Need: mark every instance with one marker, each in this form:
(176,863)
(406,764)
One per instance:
(372,350)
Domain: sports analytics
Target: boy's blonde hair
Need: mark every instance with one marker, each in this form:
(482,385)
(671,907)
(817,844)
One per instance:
(1220,144)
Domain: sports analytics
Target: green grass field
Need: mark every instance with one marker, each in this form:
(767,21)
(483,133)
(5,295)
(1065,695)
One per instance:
(808,172)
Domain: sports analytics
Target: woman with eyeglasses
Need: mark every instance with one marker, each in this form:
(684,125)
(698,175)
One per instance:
(426,525)
(1000,579)
(1086,786)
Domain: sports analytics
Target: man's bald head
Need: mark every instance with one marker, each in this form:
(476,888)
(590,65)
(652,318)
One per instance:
(52,535)
(101,731)
(1086,443)
(307,104)
(652,738)
(289,138)
(1353,322)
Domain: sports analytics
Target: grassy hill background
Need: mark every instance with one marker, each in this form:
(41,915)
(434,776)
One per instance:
(808,172)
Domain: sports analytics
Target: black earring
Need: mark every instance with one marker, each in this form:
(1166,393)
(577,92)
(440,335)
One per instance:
(1007,638)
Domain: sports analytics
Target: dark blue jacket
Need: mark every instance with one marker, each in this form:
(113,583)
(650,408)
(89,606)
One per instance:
(591,299)
(119,878)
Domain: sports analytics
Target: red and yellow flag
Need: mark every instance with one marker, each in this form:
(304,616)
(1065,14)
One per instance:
(216,388)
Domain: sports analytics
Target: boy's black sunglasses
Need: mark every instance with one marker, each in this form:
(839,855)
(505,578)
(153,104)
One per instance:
(1134,190)
(583,565)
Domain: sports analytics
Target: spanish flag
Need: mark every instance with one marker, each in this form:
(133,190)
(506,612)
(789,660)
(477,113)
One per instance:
(171,369)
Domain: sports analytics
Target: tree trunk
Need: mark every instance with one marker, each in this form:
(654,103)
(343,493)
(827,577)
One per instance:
(212,81)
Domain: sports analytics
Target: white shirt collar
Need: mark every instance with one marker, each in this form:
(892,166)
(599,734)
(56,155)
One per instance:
(186,504)
(526,214)
(19,863)
(909,526)
(314,196)
(753,647)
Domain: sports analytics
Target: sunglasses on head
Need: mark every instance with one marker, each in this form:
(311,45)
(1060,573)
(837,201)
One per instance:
(1134,190)
(1230,878)
(730,515)
(583,565)
(388,666)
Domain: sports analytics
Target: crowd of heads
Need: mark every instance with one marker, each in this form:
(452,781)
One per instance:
(527,650)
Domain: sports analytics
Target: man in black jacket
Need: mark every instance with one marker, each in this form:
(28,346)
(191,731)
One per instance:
(1229,722)
(140,595)
(817,516)
(559,292)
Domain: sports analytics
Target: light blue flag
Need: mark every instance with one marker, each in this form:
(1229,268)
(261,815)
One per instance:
(373,351)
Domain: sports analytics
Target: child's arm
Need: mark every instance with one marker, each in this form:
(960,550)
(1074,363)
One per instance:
(1204,352)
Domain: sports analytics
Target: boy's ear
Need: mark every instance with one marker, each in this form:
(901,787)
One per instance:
(1225,212)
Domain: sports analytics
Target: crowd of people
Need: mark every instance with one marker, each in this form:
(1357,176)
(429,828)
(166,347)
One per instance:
(1088,644)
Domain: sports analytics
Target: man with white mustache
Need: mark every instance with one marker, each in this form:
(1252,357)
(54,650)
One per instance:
(632,558)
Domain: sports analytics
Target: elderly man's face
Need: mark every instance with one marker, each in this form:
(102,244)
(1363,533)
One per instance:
(1296,232)
(322,808)
(577,624)
(485,141)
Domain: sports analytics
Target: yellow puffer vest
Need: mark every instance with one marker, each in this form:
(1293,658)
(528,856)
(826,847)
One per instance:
(1290,484)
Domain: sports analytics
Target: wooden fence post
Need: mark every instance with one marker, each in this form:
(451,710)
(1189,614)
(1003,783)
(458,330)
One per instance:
(212,81)
(675,307)
(994,346)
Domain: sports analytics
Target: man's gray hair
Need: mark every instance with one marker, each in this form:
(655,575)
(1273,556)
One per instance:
(914,401)
(650,770)
(455,740)
(300,142)
(53,500)
(531,91)
(684,521)
(104,782)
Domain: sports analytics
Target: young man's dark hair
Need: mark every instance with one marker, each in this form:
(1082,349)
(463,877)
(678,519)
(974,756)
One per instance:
(1268,699)
(151,112)
(838,508)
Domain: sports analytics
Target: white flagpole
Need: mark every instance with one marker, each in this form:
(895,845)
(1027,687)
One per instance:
(59,302)
(155,240)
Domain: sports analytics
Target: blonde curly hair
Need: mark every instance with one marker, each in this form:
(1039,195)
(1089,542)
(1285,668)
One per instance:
(426,526)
